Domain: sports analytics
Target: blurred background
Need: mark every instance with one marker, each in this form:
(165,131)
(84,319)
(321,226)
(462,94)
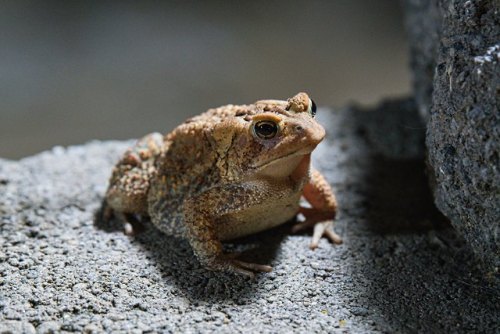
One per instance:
(72,71)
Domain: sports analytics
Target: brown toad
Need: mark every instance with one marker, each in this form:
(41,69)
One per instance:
(227,173)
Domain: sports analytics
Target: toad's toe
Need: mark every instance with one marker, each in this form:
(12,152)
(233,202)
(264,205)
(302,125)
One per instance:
(324,229)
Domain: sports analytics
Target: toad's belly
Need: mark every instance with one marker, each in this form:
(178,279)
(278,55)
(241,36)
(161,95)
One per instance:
(258,218)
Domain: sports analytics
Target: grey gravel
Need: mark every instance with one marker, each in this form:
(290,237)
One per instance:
(456,66)
(401,267)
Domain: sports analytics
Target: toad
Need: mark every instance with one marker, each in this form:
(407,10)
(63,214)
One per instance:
(227,173)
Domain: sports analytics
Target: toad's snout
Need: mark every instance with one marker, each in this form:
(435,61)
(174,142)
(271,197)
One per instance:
(307,132)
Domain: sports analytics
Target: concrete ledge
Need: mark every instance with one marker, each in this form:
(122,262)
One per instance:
(400,269)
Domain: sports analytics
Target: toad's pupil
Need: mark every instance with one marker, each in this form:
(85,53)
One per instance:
(313,108)
(266,129)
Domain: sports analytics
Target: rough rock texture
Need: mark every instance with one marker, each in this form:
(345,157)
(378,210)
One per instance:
(400,268)
(463,134)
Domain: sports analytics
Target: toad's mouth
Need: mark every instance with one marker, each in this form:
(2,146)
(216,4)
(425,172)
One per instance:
(300,152)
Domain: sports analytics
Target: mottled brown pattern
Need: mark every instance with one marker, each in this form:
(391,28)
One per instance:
(129,182)
(223,174)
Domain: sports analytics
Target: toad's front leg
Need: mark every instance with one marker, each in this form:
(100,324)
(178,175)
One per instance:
(201,214)
(324,208)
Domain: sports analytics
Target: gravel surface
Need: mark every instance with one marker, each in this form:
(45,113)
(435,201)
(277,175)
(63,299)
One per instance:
(401,267)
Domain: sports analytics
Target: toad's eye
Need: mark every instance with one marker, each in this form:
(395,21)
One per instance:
(265,129)
(313,108)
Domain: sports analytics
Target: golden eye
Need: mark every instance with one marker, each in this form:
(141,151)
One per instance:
(265,129)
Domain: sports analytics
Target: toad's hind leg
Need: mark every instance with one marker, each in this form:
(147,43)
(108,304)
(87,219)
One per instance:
(126,196)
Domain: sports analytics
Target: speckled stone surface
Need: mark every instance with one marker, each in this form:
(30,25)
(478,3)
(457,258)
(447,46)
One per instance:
(463,134)
(400,269)
(455,52)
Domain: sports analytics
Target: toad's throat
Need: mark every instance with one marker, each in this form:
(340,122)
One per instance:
(300,152)
(286,165)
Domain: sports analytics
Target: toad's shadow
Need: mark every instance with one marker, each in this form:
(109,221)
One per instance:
(176,261)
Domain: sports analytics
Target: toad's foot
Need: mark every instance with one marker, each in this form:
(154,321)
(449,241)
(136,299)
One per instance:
(322,227)
(131,225)
(229,263)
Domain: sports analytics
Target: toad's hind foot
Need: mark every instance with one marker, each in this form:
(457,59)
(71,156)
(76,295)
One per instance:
(131,225)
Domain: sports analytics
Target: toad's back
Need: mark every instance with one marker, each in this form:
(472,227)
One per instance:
(194,157)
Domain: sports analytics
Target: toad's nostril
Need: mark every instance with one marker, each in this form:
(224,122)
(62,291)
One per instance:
(298,128)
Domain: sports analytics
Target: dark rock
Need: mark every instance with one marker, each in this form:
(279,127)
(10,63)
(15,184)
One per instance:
(456,66)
